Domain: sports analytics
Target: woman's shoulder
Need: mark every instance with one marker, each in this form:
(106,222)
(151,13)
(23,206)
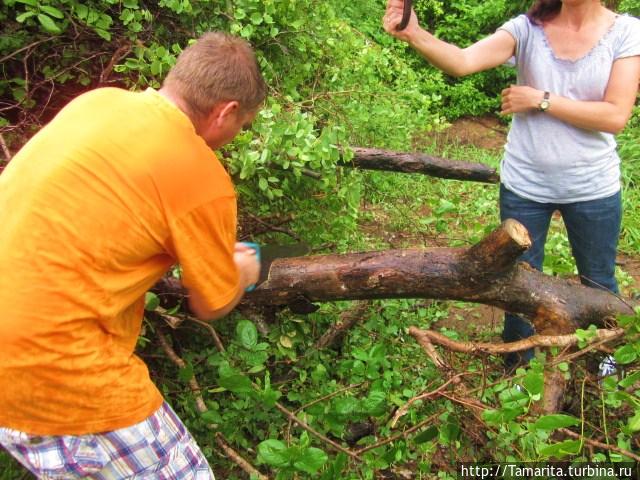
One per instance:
(628,23)
(521,24)
(627,35)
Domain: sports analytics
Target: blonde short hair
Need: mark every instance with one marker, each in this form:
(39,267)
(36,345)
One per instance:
(217,67)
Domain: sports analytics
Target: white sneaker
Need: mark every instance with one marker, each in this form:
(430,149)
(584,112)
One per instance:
(608,366)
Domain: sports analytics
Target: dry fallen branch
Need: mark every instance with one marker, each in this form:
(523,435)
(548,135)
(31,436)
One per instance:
(404,434)
(273,226)
(291,416)
(432,353)
(193,383)
(214,335)
(318,400)
(5,149)
(546,341)
(346,321)
(405,408)
(375,159)
(202,408)
(603,446)
(237,458)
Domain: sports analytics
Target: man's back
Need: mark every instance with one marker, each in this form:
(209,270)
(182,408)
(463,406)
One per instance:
(93,211)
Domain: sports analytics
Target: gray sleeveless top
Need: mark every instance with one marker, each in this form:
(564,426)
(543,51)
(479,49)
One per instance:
(546,159)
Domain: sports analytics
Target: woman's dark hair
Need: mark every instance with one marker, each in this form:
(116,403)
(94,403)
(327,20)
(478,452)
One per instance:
(543,10)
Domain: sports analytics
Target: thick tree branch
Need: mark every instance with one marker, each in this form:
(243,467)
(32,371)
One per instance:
(520,345)
(485,273)
(375,159)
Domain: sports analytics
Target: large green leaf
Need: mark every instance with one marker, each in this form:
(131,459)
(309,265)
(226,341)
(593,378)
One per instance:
(551,422)
(562,449)
(247,334)
(48,24)
(533,382)
(426,435)
(273,452)
(311,460)
(626,354)
(375,404)
(52,11)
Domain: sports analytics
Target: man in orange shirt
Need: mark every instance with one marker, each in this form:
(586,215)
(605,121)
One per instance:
(94,209)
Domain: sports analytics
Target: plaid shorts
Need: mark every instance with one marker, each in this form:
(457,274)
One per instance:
(158,448)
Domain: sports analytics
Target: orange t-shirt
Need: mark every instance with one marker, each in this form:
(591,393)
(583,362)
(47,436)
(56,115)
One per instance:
(93,211)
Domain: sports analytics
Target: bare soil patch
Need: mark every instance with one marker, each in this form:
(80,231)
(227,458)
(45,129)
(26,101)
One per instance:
(486,132)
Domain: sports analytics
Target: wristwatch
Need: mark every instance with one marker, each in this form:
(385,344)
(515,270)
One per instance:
(545,103)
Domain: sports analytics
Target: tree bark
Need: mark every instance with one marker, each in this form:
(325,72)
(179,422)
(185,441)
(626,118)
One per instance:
(486,273)
(375,159)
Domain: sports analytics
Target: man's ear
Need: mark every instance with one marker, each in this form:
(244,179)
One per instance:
(222,111)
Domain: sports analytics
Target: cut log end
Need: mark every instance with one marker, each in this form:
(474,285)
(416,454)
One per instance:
(518,233)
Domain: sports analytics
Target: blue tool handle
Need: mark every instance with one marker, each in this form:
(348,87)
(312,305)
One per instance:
(256,247)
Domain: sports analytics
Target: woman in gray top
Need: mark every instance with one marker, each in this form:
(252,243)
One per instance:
(578,71)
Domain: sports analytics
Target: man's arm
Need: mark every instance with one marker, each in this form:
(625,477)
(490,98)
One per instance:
(487,53)
(248,269)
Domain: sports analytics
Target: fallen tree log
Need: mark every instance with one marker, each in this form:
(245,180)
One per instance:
(488,272)
(376,159)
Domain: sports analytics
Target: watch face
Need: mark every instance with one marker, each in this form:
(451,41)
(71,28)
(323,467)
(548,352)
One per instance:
(544,104)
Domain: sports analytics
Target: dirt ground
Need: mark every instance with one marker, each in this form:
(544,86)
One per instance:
(483,132)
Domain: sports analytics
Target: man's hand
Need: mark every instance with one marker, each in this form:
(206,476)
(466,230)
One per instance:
(247,263)
(520,98)
(393,17)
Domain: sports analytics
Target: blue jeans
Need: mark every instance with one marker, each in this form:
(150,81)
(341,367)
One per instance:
(593,228)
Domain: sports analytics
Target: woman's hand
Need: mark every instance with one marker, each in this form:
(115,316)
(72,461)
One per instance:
(520,98)
(393,17)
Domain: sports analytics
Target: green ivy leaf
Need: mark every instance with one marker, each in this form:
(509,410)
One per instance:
(52,11)
(551,422)
(345,406)
(312,460)
(247,334)
(630,380)
(273,452)
(375,404)
(626,354)
(23,16)
(534,382)
(234,381)
(48,24)
(634,422)
(236,384)
(562,449)
(256,18)
(427,435)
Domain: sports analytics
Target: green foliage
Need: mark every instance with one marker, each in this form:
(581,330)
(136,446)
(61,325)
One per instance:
(630,6)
